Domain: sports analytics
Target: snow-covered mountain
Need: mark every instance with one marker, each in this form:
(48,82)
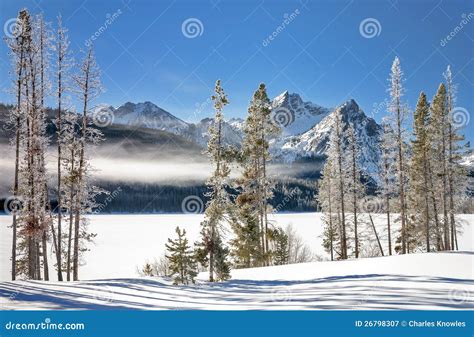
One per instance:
(148,115)
(199,132)
(305,127)
(314,142)
(295,116)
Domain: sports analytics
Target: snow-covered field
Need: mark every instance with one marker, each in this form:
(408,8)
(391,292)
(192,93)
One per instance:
(415,281)
(418,281)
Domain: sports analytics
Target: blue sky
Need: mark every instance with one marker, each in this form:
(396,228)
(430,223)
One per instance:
(322,54)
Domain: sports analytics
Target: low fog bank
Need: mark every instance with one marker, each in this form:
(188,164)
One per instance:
(115,164)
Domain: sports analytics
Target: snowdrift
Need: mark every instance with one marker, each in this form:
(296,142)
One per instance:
(436,281)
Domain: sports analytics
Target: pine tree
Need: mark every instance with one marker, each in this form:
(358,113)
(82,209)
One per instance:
(398,116)
(219,204)
(221,261)
(44,45)
(387,174)
(17,44)
(457,175)
(32,171)
(419,168)
(439,128)
(281,254)
(355,186)
(147,270)
(181,258)
(88,87)
(70,145)
(326,199)
(254,185)
(336,154)
(63,64)
(245,245)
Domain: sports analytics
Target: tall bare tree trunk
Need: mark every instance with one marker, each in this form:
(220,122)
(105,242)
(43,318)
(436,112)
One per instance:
(435,210)
(264,197)
(427,207)
(330,222)
(17,162)
(58,141)
(387,206)
(71,217)
(44,246)
(211,254)
(341,192)
(376,234)
(401,178)
(38,261)
(354,196)
(45,198)
(81,172)
(445,188)
(451,189)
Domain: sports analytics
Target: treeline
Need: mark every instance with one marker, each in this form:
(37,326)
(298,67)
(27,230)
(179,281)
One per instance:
(43,68)
(290,195)
(421,186)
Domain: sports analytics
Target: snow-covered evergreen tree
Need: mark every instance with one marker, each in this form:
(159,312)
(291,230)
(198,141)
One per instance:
(326,198)
(419,191)
(398,114)
(457,175)
(281,252)
(34,217)
(183,267)
(221,261)
(356,189)
(17,44)
(336,154)
(387,174)
(88,87)
(219,204)
(44,46)
(254,185)
(63,64)
(439,129)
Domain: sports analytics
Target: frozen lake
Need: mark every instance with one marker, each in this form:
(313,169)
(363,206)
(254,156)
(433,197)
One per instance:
(125,241)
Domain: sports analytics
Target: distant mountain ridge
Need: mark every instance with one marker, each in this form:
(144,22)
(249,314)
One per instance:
(305,127)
